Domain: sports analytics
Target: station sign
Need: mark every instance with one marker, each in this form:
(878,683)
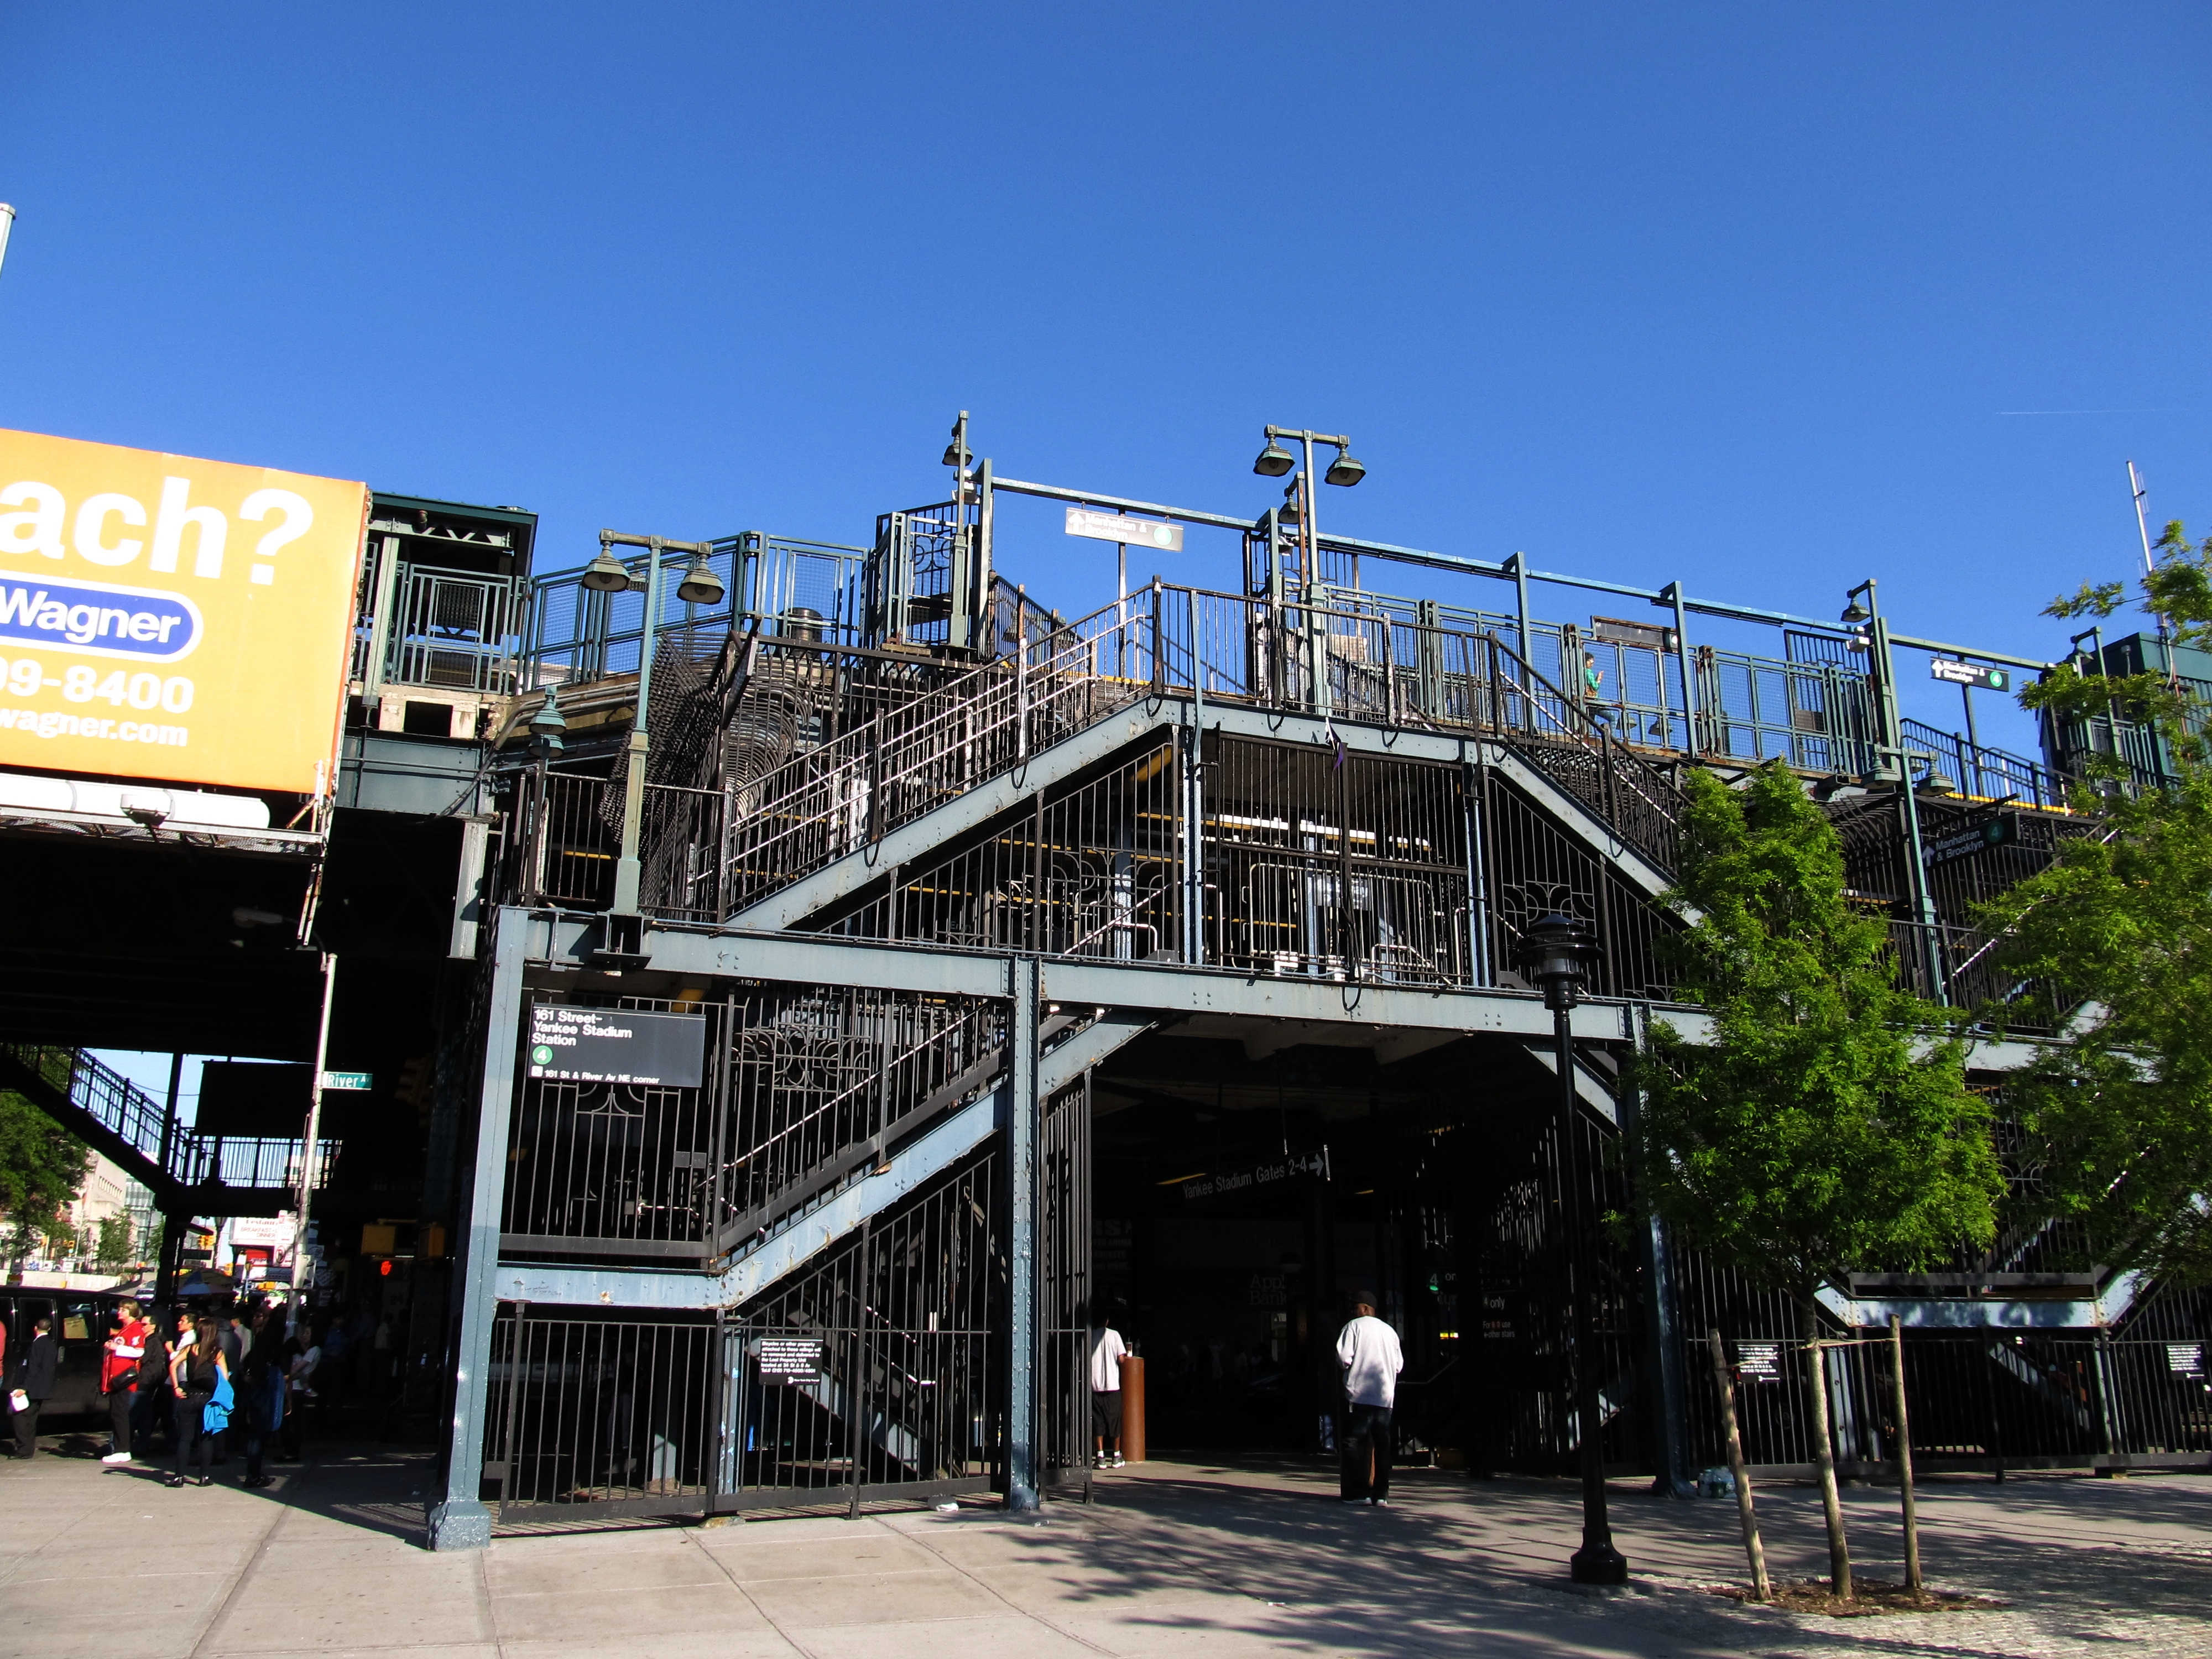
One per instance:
(1953,672)
(616,1045)
(2000,830)
(166,617)
(1116,527)
(1647,636)
(1269,1172)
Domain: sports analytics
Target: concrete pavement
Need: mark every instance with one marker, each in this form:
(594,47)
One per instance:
(1175,1559)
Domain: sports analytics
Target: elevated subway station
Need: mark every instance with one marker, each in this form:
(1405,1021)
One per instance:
(1154,965)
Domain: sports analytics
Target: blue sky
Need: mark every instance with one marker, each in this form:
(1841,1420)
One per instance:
(1735,293)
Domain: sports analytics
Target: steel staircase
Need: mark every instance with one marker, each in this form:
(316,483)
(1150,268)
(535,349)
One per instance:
(185,1170)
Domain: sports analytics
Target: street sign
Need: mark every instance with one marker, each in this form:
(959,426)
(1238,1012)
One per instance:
(1969,673)
(348,1080)
(790,1359)
(1114,527)
(616,1045)
(2001,830)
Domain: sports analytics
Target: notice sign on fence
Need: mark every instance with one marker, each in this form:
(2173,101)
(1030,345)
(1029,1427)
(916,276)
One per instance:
(616,1045)
(790,1359)
(1758,1362)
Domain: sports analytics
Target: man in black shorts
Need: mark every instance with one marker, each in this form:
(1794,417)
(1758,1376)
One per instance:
(1106,1351)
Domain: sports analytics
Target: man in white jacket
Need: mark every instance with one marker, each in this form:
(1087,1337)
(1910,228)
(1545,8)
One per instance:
(1368,1351)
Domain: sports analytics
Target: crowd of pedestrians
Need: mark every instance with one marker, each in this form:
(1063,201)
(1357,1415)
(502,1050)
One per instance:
(224,1379)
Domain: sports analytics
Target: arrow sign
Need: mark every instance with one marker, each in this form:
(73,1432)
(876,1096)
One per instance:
(1114,527)
(1967,673)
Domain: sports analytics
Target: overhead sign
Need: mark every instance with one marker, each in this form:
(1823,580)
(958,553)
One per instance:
(1999,831)
(166,618)
(1969,673)
(616,1045)
(1651,636)
(1269,1172)
(1114,527)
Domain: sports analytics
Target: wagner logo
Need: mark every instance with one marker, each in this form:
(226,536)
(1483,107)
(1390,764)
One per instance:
(94,619)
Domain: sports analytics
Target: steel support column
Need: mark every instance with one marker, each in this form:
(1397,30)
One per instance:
(1668,1402)
(459,1520)
(1023,1109)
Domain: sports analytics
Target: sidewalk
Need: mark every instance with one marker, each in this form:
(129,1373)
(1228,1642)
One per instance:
(1175,1559)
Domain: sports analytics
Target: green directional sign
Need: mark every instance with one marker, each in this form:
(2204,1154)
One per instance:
(348,1080)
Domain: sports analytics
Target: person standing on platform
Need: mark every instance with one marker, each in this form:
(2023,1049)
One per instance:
(35,1381)
(196,1366)
(1106,1351)
(125,1350)
(1368,1351)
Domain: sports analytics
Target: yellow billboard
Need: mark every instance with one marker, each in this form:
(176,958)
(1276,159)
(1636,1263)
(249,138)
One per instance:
(166,617)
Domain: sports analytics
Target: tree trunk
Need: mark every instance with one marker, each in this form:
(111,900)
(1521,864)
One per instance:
(1824,1455)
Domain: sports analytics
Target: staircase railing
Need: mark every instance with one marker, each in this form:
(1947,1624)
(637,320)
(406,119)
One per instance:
(138,1132)
(710,853)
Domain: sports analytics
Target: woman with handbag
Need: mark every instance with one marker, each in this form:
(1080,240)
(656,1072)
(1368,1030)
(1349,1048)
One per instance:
(197,1369)
(124,1349)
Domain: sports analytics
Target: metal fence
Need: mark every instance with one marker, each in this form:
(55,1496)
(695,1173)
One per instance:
(1989,773)
(1523,1411)
(1978,1400)
(874,1375)
(577,634)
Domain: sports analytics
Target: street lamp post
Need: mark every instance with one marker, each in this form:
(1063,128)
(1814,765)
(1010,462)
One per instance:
(1557,951)
(1344,472)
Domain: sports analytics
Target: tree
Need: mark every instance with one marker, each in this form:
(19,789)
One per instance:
(2118,1122)
(1825,1130)
(112,1253)
(42,1166)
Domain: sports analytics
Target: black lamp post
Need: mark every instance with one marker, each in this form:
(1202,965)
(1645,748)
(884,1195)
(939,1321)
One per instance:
(1556,953)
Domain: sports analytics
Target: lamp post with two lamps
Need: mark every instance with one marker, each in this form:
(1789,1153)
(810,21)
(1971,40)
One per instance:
(1343,472)
(1557,952)
(699,586)
(1297,509)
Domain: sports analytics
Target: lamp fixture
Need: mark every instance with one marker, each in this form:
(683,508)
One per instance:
(957,453)
(1555,952)
(1855,613)
(1344,472)
(700,586)
(606,573)
(1274,460)
(547,724)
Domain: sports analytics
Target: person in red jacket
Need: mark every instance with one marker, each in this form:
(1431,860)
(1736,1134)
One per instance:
(124,1349)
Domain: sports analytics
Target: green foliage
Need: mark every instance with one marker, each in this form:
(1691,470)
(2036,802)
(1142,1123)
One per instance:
(2119,1121)
(112,1252)
(2179,590)
(41,1167)
(1819,1135)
